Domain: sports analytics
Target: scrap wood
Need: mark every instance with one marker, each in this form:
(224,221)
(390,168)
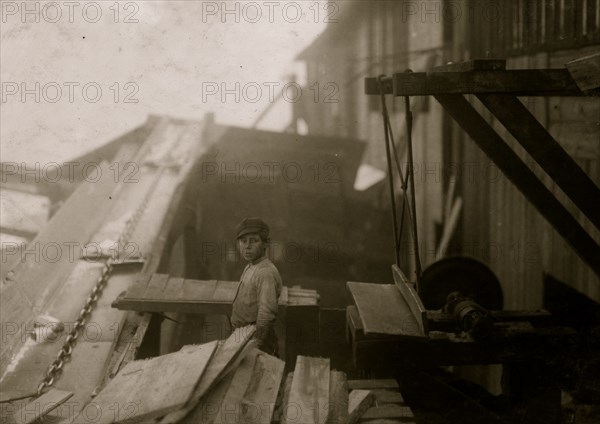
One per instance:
(218,367)
(358,402)
(309,393)
(147,389)
(283,399)
(338,398)
(41,406)
(261,394)
(230,406)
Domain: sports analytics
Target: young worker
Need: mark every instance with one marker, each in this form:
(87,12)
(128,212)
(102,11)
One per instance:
(260,285)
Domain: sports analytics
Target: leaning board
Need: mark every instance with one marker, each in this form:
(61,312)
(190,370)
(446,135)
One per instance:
(383,310)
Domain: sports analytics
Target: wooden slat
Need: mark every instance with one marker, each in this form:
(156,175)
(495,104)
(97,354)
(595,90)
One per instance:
(383,310)
(209,407)
(148,389)
(358,402)
(231,410)
(523,178)
(139,286)
(41,406)
(472,65)
(373,384)
(411,297)
(178,295)
(174,289)
(196,289)
(337,412)
(225,291)
(156,286)
(261,394)
(223,357)
(309,393)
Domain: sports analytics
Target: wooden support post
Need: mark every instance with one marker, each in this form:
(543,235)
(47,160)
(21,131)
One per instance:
(523,178)
(547,152)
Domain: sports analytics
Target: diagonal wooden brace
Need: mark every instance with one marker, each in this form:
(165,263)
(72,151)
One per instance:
(522,177)
(557,163)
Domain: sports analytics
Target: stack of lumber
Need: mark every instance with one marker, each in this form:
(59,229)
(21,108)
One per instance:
(377,402)
(296,295)
(228,381)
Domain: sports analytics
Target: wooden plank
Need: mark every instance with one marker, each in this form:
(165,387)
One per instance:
(358,403)
(231,410)
(337,412)
(383,310)
(586,71)
(519,82)
(41,406)
(557,163)
(226,353)
(138,287)
(310,390)
(156,286)
(178,295)
(283,413)
(209,407)
(261,394)
(225,291)
(383,397)
(373,384)
(388,411)
(148,389)
(523,178)
(411,297)
(174,289)
(196,289)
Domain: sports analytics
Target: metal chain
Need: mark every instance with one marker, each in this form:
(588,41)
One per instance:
(67,348)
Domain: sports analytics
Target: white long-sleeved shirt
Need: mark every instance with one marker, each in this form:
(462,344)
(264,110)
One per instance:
(257,298)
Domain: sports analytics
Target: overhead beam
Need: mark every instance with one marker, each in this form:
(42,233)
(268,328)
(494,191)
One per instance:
(518,82)
(523,178)
(557,163)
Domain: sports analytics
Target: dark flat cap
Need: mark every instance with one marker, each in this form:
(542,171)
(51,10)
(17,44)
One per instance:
(252,225)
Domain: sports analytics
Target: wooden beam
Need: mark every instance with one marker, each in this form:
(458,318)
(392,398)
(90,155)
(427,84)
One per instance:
(519,82)
(523,178)
(557,163)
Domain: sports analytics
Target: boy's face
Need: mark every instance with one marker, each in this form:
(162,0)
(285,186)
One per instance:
(251,246)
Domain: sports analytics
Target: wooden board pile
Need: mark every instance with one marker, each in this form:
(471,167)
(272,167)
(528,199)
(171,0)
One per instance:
(222,381)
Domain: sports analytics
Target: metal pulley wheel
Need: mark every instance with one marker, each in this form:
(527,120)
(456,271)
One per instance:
(468,276)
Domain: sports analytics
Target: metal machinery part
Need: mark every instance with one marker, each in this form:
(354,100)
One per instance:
(465,288)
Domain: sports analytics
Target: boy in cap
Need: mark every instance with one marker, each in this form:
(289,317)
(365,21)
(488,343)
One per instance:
(260,285)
